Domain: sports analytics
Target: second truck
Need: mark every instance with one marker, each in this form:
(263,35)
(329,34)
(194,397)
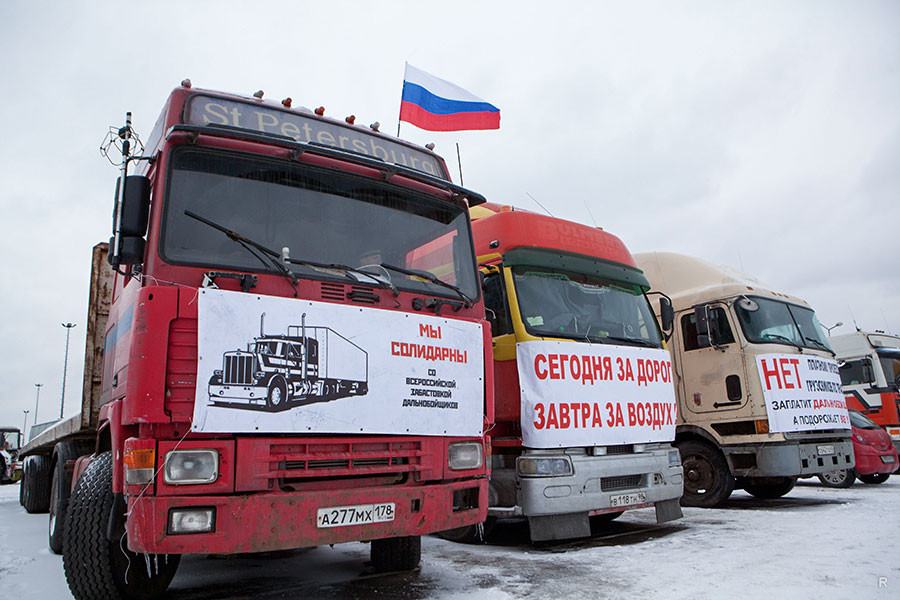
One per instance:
(585,407)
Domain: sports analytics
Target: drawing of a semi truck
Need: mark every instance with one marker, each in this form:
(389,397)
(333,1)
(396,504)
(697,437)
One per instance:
(308,364)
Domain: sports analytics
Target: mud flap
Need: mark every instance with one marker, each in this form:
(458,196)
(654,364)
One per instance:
(559,527)
(116,516)
(668,510)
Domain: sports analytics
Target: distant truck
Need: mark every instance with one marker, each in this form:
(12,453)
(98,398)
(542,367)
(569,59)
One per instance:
(760,401)
(584,406)
(308,364)
(240,207)
(10,442)
(870,374)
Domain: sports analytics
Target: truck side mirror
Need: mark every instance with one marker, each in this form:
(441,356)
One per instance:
(132,226)
(135,206)
(702,319)
(868,373)
(666,314)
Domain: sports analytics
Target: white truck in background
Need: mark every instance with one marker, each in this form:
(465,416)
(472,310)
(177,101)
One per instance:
(870,373)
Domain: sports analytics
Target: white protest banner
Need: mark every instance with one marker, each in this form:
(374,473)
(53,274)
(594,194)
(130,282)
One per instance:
(281,365)
(576,394)
(802,393)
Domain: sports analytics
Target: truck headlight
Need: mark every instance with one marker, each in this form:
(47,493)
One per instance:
(191,520)
(465,455)
(191,467)
(544,467)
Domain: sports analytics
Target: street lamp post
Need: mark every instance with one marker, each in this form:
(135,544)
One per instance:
(828,329)
(25,424)
(37,397)
(62,400)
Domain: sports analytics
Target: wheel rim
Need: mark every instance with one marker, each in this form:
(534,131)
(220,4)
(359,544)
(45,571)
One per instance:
(53,507)
(276,395)
(699,475)
(835,477)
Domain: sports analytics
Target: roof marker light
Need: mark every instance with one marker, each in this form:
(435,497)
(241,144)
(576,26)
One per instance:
(258,94)
(186,83)
(286,102)
(351,119)
(320,111)
(430,145)
(374,126)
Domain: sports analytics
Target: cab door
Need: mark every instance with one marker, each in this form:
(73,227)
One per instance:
(712,373)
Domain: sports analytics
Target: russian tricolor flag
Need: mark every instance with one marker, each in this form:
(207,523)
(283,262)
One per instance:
(437,105)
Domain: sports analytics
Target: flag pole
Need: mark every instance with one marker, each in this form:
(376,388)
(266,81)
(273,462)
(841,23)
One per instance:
(459,163)
(405,64)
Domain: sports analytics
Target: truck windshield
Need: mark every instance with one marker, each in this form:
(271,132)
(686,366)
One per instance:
(860,421)
(572,305)
(318,215)
(890,364)
(776,322)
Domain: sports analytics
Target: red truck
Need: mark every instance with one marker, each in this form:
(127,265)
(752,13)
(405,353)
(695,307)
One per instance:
(338,238)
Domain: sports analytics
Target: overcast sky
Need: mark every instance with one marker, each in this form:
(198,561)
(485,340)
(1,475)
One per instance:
(761,135)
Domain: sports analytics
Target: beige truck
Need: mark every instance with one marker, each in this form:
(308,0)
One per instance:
(759,392)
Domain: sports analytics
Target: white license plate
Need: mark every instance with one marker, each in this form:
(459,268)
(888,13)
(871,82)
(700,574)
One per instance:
(627,499)
(887,459)
(361,514)
(825,450)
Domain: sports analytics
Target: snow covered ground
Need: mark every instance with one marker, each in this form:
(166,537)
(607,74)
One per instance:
(815,543)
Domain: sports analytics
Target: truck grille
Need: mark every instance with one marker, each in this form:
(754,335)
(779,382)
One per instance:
(385,461)
(623,449)
(238,369)
(621,482)
(276,462)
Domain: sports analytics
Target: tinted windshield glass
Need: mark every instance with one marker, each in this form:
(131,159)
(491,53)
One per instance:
(578,306)
(861,421)
(777,322)
(890,364)
(320,216)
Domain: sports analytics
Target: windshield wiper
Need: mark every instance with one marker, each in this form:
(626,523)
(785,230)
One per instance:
(249,244)
(821,345)
(274,257)
(433,279)
(381,283)
(637,341)
(788,340)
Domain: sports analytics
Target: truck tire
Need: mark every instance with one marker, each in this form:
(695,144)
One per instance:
(842,478)
(769,488)
(470,534)
(396,554)
(276,397)
(95,566)
(60,490)
(36,484)
(708,481)
(4,478)
(874,478)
